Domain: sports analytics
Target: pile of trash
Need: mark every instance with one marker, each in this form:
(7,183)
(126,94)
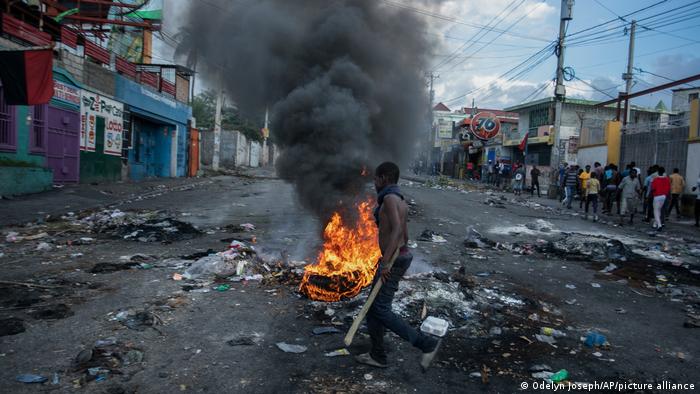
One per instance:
(235,263)
(240,262)
(586,247)
(106,358)
(144,226)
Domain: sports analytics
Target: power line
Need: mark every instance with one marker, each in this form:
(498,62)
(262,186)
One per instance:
(602,34)
(454,20)
(500,34)
(534,60)
(537,92)
(617,18)
(490,28)
(661,76)
(594,87)
(611,11)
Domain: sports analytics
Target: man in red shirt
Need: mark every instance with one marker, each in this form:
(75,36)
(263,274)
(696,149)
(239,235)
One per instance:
(660,188)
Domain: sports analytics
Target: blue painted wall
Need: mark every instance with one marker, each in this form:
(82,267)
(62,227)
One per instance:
(181,150)
(155,119)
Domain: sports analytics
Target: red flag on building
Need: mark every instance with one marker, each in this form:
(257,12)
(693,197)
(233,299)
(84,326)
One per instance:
(27,76)
(523,143)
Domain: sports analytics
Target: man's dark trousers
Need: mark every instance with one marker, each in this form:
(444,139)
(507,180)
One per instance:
(380,315)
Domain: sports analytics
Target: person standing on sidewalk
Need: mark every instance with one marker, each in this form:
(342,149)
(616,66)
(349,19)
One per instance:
(630,191)
(660,188)
(592,190)
(612,179)
(677,186)
(584,177)
(697,203)
(500,173)
(535,176)
(570,182)
(648,198)
(391,215)
(518,180)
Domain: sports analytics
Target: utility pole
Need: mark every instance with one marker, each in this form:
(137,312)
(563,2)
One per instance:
(431,131)
(629,75)
(217,129)
(559,92)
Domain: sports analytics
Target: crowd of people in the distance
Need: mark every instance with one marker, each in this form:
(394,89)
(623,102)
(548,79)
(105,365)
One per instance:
(623,193)
(605,189)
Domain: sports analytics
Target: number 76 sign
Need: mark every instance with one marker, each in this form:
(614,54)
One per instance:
(485,125)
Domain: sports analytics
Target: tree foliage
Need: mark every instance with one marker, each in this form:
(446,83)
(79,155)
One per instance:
(204,107)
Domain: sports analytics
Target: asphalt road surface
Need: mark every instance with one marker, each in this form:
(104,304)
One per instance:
(194,338)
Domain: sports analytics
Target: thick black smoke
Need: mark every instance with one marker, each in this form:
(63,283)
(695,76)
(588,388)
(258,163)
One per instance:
(343,80)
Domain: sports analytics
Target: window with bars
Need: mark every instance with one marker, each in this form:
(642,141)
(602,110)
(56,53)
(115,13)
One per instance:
(38,135)
(8,133)
(540,116)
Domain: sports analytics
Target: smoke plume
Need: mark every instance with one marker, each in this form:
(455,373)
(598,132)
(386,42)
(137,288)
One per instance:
(343,80)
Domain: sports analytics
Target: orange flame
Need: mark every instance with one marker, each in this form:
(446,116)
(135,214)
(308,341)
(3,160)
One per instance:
(348,260)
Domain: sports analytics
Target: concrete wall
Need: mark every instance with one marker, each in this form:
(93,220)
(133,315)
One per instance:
(679,102)
(242,150)
(235,149)
(182,89)
(71,63)
(24,180)
(692,166)
(98,77)
(255,154)
(591,154)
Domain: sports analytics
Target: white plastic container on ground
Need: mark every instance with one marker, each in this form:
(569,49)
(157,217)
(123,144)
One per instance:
(434,326)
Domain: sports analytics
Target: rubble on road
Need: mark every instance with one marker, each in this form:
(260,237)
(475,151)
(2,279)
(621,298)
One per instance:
(431,236)
(475,240)
(107,357)
(143,226)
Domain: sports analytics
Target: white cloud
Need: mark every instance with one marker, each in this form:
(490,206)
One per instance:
(484,66)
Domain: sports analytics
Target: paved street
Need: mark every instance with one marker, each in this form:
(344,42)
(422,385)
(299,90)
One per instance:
(67,290)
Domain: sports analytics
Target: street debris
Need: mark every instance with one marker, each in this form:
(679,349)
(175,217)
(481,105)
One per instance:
(431,236)
(31,378)
(106,357)
(289,348)
(138,320)
(540,225)
(560,376)
(475,240)
(338,352)
(325,330)
(595,339)
(552,332)
(434,326)
(546,339)
(247,227)
(143,226)
(245,340)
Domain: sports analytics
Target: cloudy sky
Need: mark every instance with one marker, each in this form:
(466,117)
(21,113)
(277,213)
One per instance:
(480,45)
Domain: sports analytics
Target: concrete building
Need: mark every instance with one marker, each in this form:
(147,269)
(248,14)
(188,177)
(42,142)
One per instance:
(454,145)
(583,137)
(235,150)
(682,97)
(109,119)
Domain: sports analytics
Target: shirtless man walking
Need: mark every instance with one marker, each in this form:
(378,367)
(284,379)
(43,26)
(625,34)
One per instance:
(391,214)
